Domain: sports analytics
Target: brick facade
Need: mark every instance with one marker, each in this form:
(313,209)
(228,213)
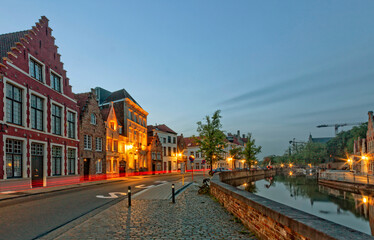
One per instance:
(154,153)
(92,125)
(31,69)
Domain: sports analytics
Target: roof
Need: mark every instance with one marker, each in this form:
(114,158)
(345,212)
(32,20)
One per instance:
(82,99)
(190,142)
(9,40)
(321,140)
(105,112)
(162,128)
(118,95)
(120,112)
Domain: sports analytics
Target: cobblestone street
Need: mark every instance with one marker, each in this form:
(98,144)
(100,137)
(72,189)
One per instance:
(192,217)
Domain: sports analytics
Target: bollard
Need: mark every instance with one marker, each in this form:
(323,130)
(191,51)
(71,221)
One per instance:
(129,195)
(173,193)
(183,179)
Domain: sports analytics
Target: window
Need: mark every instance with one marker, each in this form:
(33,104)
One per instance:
(56,160)
(164,151)
(99,144)
(87,142)
(71,125)
(13,104)
(129,114)
(169,139)
(13,158)
(36,70)
(174,140)
(115,145)
(197,154)
(56,82)
(115,166)
(108,166)
(93,119)
(164,140)
(71,161)
(36,112)
(120,130)
(197,166)
(158,156)
(169,151)
(109,145)
(99,166)
(174,151)
(192,153)
(56,119)
(112,125)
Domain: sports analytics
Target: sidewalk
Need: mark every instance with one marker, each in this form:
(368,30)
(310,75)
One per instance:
(193,216)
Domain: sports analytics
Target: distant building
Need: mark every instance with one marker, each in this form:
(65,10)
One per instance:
(154,151)
(92,136)
(192,148)
(319,140)
(133,118)
(168,140)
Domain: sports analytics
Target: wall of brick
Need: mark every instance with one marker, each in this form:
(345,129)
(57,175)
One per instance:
(271,220)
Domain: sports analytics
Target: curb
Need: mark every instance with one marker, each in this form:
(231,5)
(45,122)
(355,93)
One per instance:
(181,189)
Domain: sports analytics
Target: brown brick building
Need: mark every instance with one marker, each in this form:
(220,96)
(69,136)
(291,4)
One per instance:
(92,137)
(154,153)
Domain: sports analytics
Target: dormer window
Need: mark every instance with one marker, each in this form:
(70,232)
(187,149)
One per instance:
(112,125)
(56,82)
(36,70)
(93,119)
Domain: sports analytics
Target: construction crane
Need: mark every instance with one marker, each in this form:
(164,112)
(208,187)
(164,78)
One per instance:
(338,125)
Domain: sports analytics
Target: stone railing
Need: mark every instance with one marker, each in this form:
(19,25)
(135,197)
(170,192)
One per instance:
(271,220)
(232,175)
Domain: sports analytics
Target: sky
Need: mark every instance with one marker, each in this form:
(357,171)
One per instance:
(276,69)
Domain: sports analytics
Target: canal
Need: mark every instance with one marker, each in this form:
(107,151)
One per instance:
(349,209)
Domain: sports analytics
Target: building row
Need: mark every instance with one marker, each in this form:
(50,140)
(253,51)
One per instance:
(51,136)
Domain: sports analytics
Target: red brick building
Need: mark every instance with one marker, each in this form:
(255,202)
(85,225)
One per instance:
(38,114)
(154,153)
(92,137)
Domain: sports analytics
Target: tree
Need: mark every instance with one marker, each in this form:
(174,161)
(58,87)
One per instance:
(211,138)
(235,154)
(251,150)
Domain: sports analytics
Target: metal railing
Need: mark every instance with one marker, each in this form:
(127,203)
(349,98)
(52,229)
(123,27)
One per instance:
(344,176)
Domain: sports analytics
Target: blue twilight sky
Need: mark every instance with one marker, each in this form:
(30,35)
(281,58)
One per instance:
(275,68)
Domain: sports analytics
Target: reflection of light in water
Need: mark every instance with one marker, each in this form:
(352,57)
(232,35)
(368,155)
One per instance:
(245,184)
(291,173)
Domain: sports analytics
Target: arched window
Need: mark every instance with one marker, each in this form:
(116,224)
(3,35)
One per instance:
(93,119)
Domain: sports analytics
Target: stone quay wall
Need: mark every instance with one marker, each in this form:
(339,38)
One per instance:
(272,220)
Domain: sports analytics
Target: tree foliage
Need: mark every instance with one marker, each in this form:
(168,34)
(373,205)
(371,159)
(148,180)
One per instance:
(251,150)
(211,138)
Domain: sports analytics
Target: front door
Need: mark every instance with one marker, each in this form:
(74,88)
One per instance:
(86,169)
(37,172)
(122,168)
(169,166)
(153,168)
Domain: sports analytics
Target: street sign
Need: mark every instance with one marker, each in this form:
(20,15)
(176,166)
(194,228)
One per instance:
(203,161)
(192,158)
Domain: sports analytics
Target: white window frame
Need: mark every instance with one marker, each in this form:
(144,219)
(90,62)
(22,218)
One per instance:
(99,166)
(99,149)
(62,119)
(76,123)
(45,107)
(87,140)
(93,117)
(61,81)
(43,68)
(62,159)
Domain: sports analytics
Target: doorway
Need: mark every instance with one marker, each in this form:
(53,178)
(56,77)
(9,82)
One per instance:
(37,173)
(86,169)
(122,168)
(169,166)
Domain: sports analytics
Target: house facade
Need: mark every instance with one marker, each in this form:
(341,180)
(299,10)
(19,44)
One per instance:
(38,114)
(154,153)
(133,118)
(92,136)
(192,148)
(116,159)
(168,140)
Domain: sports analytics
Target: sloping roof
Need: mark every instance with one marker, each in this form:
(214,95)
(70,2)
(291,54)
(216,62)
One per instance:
(105,112)
(120,112)
(118,95)
(190,142)
(9,40)
(82,99)
(162,128)
(321,140)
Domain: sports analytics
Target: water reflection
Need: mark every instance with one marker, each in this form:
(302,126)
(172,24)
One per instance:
(354,210)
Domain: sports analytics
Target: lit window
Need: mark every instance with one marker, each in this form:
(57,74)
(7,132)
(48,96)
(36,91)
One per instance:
(13,158)
(99,166)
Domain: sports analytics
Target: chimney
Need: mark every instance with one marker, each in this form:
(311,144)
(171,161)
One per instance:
(370,113)
(238,133)
(243,135)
